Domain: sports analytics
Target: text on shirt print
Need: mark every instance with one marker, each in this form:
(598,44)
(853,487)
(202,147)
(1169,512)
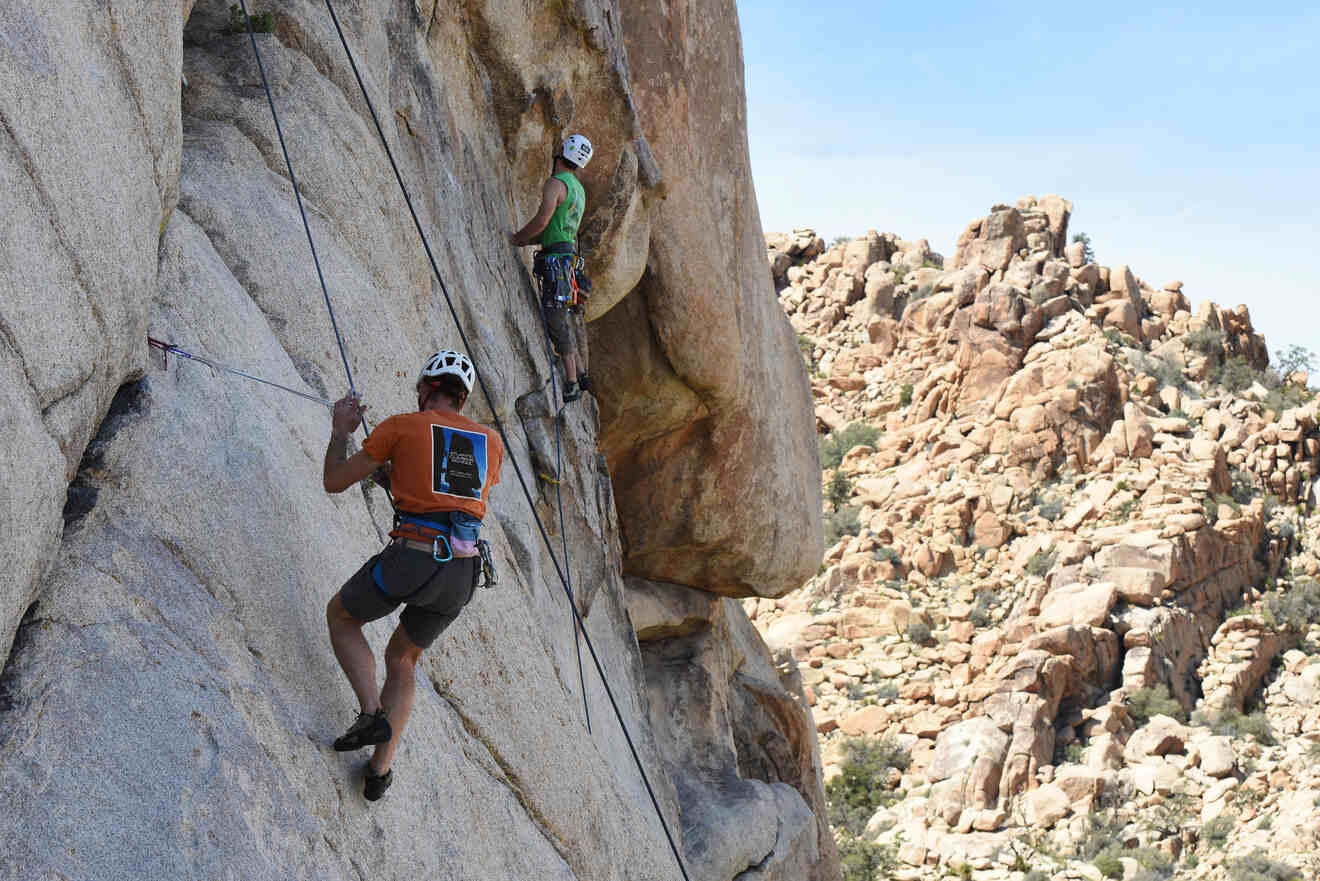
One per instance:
(458,462)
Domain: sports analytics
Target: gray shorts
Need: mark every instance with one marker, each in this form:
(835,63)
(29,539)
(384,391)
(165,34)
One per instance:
(568,331)
(434,592)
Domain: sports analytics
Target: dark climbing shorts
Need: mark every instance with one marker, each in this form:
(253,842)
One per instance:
(559,324)
(434,592)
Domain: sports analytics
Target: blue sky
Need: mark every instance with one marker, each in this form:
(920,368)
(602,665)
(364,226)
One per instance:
(1188,141)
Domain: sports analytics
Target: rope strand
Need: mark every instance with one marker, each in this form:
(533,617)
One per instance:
(545,537)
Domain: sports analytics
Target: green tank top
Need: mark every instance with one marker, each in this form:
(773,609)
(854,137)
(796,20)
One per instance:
(563,225)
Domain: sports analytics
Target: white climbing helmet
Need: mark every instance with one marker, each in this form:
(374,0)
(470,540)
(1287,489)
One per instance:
(577,149)
(450,363)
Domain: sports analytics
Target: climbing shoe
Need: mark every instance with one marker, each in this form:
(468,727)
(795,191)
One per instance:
(368,730)
(572,392)
(376,784)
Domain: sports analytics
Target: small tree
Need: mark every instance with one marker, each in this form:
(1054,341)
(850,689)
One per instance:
(1293,359)
(1088,253)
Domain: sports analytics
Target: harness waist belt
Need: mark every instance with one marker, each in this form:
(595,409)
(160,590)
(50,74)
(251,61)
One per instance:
(560,248)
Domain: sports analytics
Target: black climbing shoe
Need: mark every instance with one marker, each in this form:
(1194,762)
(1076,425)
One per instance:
(572,392)
(368,730)
(376,784)
(584,382)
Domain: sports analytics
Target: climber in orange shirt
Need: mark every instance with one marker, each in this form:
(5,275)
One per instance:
(442,468)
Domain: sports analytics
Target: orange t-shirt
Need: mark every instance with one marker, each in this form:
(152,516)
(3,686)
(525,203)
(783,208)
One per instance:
(442,461)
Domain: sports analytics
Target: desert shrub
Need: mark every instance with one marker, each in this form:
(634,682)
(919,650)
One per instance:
(863,860)
(1036,875)
(905,395)
(262,22)
(1293,359)
(888,691)
(1088,253)
(855,691)
(1042,562)
(886,555)
(1051,510)
(922,292)
(839,490)
(1108,866)
(1296,608)
(1235,375)
(807,346)
(1243,486)
(900,272)
(1286,397)
(836,444)
(861,786)
(1208,341)
(1217,830)
(1165,371)
(842,522)
(981,608)
(1258,867)
(918,631)
(840,240)
(1234,724)
(1146,703)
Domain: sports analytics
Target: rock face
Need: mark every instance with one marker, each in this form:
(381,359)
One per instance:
(1047,486)
(701,387)
(168,697)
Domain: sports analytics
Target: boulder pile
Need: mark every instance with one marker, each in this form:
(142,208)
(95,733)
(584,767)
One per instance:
(1069,550)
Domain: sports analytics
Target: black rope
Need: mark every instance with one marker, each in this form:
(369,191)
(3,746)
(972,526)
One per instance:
(522,481)
(261,68)
(559,498)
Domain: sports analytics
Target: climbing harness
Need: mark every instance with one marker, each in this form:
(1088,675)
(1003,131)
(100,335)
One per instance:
(580,626)
(169,348)
(558,274)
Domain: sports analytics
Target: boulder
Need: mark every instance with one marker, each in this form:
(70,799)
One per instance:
(1081,605)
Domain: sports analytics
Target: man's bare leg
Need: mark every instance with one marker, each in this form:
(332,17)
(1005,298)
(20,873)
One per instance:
(353,653)
(401,656)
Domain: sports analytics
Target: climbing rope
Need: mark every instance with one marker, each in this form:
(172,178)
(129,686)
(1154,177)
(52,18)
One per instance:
(559,499)
(522,481)
(169,348)
(297,194)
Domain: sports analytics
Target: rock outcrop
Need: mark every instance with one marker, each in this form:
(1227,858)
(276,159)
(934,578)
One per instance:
(1064,508)
(169,695)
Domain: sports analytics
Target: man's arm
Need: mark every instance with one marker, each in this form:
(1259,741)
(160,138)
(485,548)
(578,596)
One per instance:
(339,473)
(552,194)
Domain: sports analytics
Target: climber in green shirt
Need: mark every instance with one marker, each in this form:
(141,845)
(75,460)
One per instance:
(556,265)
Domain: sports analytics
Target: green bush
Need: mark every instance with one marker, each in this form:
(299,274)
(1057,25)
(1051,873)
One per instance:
(900,272)
(981,608)
(1258,867)
(262,22)
(862,860)
(888,691)
(836,444)
(1051,510)
(1217,830)
(1165,371)
(1243,486)
(918,631)
(1296,608)
(1146,703)
(842,522)
(1208,341)
(839,490)
(886,555)
(1233,724)
(861,786)
(1109,866)
(1236,375)
(840,240)
(905,395)
(1042,562)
